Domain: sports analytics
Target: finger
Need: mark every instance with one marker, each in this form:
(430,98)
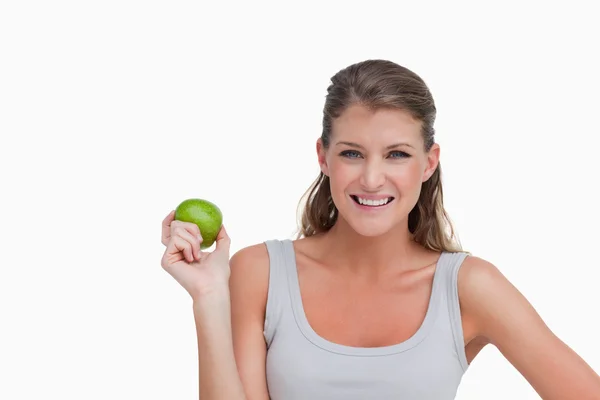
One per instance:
(171,255)
(188,226)
(223,241)
(179,244)
(194,240)
(175,264)
(168,219)
(166,227)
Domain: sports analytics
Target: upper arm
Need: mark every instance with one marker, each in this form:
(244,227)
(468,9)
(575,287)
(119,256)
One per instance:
(248,283)
(507,320)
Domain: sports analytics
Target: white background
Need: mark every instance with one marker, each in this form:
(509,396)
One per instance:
(112,112)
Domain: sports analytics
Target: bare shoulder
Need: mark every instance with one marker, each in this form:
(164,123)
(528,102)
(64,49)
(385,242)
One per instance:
(248,284)
(251,255)
(250,272)
(504,317)
(498,310)
(477,277)
(484,292)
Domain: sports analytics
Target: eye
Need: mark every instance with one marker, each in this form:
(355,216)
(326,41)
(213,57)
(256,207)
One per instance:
(350,154)
(399,154)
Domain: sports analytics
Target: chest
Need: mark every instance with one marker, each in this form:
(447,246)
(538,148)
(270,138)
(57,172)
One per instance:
(360,314)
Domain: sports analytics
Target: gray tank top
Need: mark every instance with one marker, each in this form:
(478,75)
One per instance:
(303,365)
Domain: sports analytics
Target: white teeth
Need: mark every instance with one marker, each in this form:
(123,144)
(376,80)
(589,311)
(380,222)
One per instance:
(367,202)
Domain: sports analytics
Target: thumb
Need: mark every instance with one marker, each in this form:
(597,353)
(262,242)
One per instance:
(223,242)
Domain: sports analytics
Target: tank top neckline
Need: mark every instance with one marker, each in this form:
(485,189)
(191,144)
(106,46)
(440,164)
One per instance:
(311,335)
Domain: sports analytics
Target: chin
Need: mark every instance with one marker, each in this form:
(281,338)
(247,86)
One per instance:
(371,231)
(369,228)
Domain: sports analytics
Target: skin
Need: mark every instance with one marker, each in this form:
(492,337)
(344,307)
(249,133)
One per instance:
(367,266)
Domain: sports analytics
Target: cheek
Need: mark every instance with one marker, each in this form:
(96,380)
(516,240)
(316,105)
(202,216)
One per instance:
(341,176)
(339,180)
(340,172)
(409,176)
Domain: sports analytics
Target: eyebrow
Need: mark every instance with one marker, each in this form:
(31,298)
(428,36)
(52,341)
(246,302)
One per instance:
(358,146)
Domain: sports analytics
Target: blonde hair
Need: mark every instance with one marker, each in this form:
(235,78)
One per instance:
(382,84)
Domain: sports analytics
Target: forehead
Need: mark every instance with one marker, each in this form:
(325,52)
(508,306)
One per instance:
(358,123)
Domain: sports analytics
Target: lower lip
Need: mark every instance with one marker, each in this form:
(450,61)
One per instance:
(371,208)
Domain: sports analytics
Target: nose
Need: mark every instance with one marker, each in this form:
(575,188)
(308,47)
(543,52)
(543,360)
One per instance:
(372,176)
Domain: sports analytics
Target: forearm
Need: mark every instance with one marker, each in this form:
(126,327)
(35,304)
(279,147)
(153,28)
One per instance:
(218,375)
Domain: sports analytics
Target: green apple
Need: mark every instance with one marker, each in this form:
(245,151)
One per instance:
(206,215)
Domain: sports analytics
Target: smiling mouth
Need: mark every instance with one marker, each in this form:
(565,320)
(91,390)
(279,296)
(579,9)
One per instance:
(371,203)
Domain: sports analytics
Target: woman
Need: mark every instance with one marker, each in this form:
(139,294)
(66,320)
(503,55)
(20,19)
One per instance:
(376,298)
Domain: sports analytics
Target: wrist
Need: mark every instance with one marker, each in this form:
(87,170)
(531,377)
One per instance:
(216,300)
(215,294)
(212,314)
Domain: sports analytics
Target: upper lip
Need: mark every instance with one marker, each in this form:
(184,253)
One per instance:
(372,196)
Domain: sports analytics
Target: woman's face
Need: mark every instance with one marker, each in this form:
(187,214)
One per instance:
(376,162)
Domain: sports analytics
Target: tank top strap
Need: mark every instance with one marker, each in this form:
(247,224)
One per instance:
(450,265)
(278,297)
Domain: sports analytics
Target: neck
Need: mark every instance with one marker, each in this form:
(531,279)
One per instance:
(365,255)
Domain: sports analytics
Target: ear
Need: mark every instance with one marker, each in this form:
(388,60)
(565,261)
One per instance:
(321,154)
(433,159)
